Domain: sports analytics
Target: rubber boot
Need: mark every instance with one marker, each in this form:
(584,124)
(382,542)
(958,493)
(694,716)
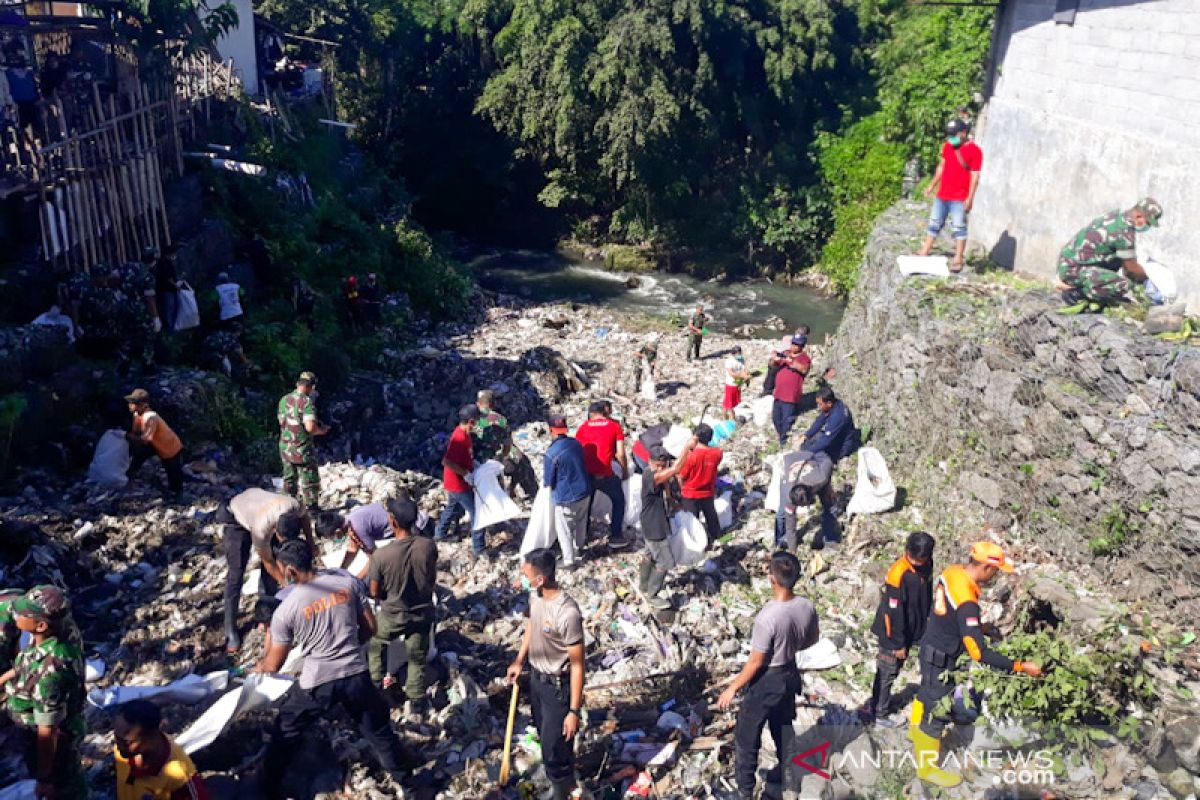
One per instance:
(233,639)
(647,566)
(918,710)
(927,750)
(658,579)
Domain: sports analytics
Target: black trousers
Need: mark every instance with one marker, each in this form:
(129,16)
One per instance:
(707,508)
(770,701)
(934,687)
(550,697)
(693,350)
(139,452)
(304,708)
(887,668)
(518,468)
(236,543)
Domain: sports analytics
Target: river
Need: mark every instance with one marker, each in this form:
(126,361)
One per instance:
(552,277)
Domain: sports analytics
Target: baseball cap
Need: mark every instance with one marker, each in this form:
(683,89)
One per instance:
(1151,208)
(404,510)
(307,377)
(955,127)
(800,341)
(43,602)
(138,396)
(468,413)
(557,423)
(990,554)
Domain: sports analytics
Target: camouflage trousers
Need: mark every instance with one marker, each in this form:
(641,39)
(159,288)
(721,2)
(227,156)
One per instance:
(1096,284)
(302,480)
(636,367)
(135,345)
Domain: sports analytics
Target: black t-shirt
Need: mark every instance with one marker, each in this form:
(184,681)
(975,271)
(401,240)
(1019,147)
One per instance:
(656,526)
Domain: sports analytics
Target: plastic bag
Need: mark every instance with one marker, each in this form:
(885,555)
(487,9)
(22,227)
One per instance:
(722,431)
(633,500)
(260,689)
(540,530)
(676,439)
(924,265)
(762,410)
(649,390)
(874,493)
(822,655)
(688,539)
(188,690)
(110,461)
(724,505)
(772,501)
(1162,288)
(492,505)
(187,312)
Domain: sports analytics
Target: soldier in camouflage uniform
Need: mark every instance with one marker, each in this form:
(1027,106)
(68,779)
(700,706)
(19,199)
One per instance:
(223,349)
(493,440)
(140,315)
(10,636)
(647,356)
(1089,267)
(298,426)
(695,330)
(45,693)
(96,305)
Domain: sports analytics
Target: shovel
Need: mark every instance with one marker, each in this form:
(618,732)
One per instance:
(505,761)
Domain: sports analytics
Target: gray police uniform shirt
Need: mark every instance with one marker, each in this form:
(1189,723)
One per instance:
(782,629)
(321,618)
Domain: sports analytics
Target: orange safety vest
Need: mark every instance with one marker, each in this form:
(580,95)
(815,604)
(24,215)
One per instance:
(164,441)
(174,775)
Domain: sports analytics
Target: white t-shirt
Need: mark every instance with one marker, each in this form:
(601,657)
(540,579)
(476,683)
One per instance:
(229,296)
(733,367)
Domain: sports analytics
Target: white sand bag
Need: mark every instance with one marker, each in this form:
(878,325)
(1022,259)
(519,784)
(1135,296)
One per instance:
(822,655)
(772,501)
(110,461)
(540,530)
(724,505)
(676,439)
(1164,281)
(649,390)
(187,311)
(924,265)
(874,493)
(688,539)
(633,500)
(259,690)
(762,410)
(188,690)
(601,508)
(492,505)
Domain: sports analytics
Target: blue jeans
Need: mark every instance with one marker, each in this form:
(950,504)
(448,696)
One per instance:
(460,503)
(956,210)
(611,486)
(783,416)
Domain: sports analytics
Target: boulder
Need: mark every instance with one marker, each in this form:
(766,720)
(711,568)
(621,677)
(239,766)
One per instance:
(1165,319)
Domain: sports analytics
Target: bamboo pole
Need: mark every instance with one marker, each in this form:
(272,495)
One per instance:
(124,182)
(95,163)
(73,212)
(104,135)
(158,181)
(148,195)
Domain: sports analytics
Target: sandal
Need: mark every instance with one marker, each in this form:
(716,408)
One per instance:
(956,267)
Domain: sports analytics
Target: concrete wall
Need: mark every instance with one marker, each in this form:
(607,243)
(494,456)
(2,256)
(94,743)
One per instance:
(239,45)
(1087,117)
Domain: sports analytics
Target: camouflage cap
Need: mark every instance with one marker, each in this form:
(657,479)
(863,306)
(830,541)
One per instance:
(1151,208)
(43,602)
(307,377)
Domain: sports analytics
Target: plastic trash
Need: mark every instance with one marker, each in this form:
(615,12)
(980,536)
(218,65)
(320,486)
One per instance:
(672,720)
(874,493)
(94,670)
(259,690)
(540,530)
(688,539)
(189,689)
(676,439)
(772,501)
(762,408)
(649,390)
(187,311)
(111,460)
(924,265)
(1161,288)
(492,504)
(724,505)
(722,431)
(633,500)
(822,655)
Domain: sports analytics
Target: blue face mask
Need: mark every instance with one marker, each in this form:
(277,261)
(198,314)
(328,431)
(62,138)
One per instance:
(525,584)
(1142,228)
(955,141)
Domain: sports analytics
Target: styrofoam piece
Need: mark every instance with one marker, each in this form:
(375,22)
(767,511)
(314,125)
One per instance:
(924,265)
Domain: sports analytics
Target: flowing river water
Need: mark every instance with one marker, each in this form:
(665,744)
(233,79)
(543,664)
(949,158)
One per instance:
(739,308)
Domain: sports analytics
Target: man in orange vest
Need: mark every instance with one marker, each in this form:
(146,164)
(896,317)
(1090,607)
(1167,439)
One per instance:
(149,765)
(954,628)
(152,436)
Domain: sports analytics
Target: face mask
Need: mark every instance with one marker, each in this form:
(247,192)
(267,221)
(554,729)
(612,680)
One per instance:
(1141,228)
(525,584)
(955,141)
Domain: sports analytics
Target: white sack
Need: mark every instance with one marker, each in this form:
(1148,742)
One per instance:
(187,312)
(259,690)
(1163,280)
(924,265)
(111,461)
(688,539)
(189,690)
(724,505)
(633,500)
(540,530)
(676,439)
(822,655)
(772,501)
(874,493)
(649,390)
(762,410)
(492,504)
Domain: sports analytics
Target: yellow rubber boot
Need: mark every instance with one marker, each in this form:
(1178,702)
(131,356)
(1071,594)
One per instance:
(927,750)
(918,710)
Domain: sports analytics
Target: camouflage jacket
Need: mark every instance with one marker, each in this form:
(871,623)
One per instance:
(490,436)
(697,321)
(10,636)
(48,688)
(296,444)
(1106,240)
(649,352)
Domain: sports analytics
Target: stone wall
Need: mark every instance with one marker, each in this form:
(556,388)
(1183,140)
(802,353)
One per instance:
(1087,117)
(1079,435)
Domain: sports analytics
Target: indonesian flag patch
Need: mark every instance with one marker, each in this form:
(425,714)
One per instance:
(894,602)
(973,622)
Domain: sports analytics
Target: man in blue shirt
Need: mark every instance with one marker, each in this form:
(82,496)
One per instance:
(833,431)
(564,473)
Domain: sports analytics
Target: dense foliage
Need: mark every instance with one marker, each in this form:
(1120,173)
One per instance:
(724,125)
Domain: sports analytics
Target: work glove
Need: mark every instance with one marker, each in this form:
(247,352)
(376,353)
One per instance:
(157,325)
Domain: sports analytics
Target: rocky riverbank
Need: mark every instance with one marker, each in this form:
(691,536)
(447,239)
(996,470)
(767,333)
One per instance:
(147,576)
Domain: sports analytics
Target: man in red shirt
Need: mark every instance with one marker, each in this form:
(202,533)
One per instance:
(699,478)
(789,386)
(603,442)
(457,465)
(955,181)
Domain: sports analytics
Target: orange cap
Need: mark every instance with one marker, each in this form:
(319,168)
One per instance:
(990,554)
